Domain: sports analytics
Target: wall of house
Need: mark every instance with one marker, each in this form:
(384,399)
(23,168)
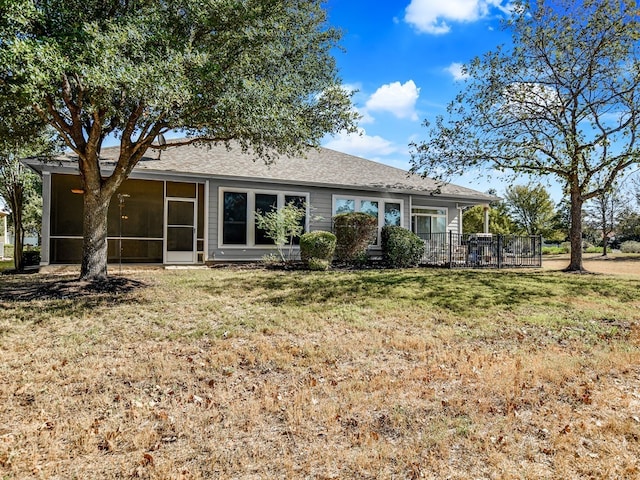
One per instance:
(321,201)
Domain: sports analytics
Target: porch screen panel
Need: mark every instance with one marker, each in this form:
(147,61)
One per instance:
(142,210)
(66,206)
(135,251)
(234,226)
(181,189)
(65,250)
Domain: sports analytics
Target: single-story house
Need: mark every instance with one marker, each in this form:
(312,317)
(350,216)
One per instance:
(194,204)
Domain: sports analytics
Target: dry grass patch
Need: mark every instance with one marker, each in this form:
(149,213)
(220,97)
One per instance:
(259,374)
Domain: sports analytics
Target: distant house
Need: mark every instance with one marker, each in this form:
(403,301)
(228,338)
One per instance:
(3,232)
(191,204)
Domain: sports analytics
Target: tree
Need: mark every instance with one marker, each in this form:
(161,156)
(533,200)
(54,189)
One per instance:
(283,225)
(531,209)
(18,185)
(563,101)
(21,136)
(499,221)
(603,213)
(256,71)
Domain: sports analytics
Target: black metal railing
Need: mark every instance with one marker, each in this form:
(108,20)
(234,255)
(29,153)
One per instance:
(479,250)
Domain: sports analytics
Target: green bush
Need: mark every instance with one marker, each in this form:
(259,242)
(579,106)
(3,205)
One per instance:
(593,249)
(31,257)
(354,233)
(630,247)
(400,247)
(318,264)
(319,245)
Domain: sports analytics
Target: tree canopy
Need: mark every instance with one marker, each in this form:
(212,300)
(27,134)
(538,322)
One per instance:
(562,101)
(531,208)
(256,71)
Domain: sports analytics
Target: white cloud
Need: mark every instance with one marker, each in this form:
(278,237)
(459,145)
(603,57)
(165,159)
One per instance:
(360,144)
(455,69)
(399,99)
(433,16)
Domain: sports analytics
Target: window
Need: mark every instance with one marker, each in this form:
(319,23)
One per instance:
(345,205)
(234,229)
(265,203)
(392,214)
(426,221)
(387,211)
(238,214)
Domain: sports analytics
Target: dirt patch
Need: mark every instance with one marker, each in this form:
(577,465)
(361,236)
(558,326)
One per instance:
(610,265)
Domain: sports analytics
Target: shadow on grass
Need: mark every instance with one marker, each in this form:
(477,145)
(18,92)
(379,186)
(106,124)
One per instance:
(26,288)
(457,291)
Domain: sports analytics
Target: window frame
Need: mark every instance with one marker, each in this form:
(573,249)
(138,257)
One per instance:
(251,219)
(382,201)
(415,212)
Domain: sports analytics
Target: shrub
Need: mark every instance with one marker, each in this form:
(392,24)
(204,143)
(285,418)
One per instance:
(593,249)
(319,245)
(31,257)
(354,233)
(400,247)
(318,264)
(630,247)
(282,226)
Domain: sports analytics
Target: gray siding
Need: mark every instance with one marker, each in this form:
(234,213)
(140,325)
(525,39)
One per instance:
(321,202)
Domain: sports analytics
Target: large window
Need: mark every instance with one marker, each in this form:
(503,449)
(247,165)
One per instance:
(238,214)
(387,211)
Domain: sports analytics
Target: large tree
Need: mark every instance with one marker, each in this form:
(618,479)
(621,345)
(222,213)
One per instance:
(563,101)
(256,71)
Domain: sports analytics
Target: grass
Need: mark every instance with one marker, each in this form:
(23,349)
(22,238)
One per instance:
(249,373)
(6,265)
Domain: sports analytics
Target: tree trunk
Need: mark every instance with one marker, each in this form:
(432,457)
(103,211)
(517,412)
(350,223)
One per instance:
(94,247)
(15,202)
(575,231)
(18,246)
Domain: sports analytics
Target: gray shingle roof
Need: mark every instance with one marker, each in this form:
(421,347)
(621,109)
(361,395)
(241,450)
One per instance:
(322,167)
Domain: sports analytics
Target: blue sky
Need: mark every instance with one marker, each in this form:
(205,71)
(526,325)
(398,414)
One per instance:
(404,57)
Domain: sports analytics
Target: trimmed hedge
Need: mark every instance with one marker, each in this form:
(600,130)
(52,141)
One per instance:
(354,233)
(318,245)
(401,248)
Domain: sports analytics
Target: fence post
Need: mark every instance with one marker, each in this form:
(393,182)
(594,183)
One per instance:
(450,248)
(499,251)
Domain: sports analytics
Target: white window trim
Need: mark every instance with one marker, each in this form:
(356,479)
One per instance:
(431,207)
(251,219)
(381,201)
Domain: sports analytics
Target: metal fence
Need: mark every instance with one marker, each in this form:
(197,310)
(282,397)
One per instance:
(479,250)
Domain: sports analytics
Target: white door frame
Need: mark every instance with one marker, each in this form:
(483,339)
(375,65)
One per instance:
(186,257)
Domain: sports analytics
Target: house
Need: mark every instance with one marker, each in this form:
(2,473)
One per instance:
(3,232)
(195,204)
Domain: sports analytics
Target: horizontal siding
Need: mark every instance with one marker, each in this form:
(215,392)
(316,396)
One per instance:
(321,203)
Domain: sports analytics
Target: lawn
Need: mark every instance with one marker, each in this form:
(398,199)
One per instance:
(259,374)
